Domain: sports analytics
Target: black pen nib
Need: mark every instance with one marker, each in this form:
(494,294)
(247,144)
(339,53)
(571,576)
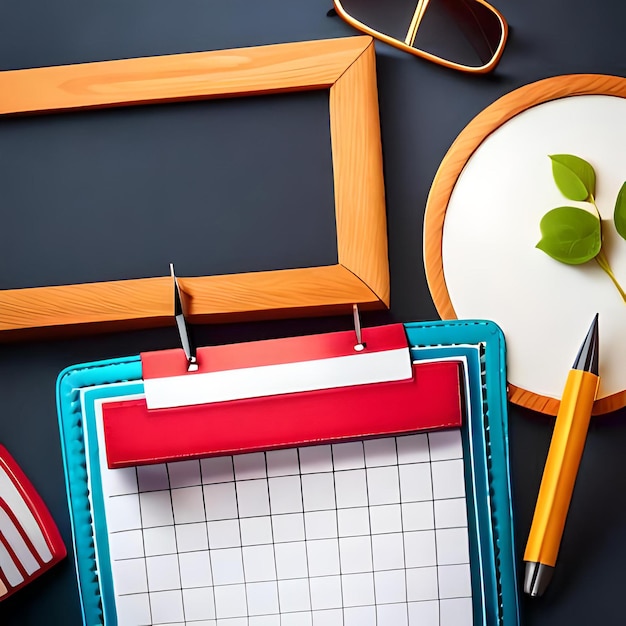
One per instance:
(537,578)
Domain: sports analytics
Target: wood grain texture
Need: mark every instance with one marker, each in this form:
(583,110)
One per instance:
(148,302)
(345,66)
(358,175)
(199,75)
(451,167)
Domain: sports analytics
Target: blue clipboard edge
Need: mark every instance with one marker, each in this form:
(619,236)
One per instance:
(71,381)
(491,478)
(104,573)
(490,484)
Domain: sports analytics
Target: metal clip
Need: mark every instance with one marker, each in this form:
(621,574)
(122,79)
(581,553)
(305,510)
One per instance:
(181,324)
(360,344)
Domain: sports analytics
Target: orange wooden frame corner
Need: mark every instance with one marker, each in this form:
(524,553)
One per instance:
(346,67)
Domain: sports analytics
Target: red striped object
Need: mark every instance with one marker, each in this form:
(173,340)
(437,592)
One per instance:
(30,542)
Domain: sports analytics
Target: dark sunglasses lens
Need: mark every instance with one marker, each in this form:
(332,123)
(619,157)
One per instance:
(465,32)
(462,31)
(389,17)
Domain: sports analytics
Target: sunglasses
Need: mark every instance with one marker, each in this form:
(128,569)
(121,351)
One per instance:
(465,35)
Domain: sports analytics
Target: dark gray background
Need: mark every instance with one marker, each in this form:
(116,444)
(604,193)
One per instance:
(423,107)
(124,188)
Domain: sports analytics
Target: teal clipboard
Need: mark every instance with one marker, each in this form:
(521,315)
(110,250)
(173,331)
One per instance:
(485,447)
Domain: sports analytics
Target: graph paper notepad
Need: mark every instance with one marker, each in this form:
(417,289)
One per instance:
(382,531)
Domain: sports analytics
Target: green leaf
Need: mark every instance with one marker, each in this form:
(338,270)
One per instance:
(619,215)
(570,235)
(574,177)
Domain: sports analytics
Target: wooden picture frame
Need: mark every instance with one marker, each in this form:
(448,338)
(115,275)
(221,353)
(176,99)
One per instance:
(346,67)
(455,162)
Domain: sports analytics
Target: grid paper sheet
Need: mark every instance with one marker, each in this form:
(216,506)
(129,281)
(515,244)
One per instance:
(351,534)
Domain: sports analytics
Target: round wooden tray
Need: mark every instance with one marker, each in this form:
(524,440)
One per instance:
(482,225)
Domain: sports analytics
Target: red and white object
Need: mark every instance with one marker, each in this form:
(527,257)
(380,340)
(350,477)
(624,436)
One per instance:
(275,367)
(30,542)
(280,393)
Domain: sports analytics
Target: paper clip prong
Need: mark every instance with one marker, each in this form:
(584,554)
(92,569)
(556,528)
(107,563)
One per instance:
(181,323)
(360,344)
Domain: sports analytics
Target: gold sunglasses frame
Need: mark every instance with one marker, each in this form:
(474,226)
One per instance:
(420,9)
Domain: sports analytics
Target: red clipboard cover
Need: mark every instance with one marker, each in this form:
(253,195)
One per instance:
(30,542)
(431,399)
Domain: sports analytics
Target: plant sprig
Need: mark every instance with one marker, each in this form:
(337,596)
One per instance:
(573,235)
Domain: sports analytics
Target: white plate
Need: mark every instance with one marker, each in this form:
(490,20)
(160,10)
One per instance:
(490,226)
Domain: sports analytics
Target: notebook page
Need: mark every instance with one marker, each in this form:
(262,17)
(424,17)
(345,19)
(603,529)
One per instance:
(363,533)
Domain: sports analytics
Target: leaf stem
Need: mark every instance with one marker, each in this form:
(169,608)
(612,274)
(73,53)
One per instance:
(592,201)
(601,259)
(604,264)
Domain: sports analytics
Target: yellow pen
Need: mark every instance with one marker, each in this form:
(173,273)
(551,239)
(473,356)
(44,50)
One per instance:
(559,474)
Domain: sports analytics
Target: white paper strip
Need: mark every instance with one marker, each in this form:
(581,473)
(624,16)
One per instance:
(282,378)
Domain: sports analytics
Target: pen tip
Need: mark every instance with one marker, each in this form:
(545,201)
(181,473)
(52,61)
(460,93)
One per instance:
(587,358)
(536,578)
